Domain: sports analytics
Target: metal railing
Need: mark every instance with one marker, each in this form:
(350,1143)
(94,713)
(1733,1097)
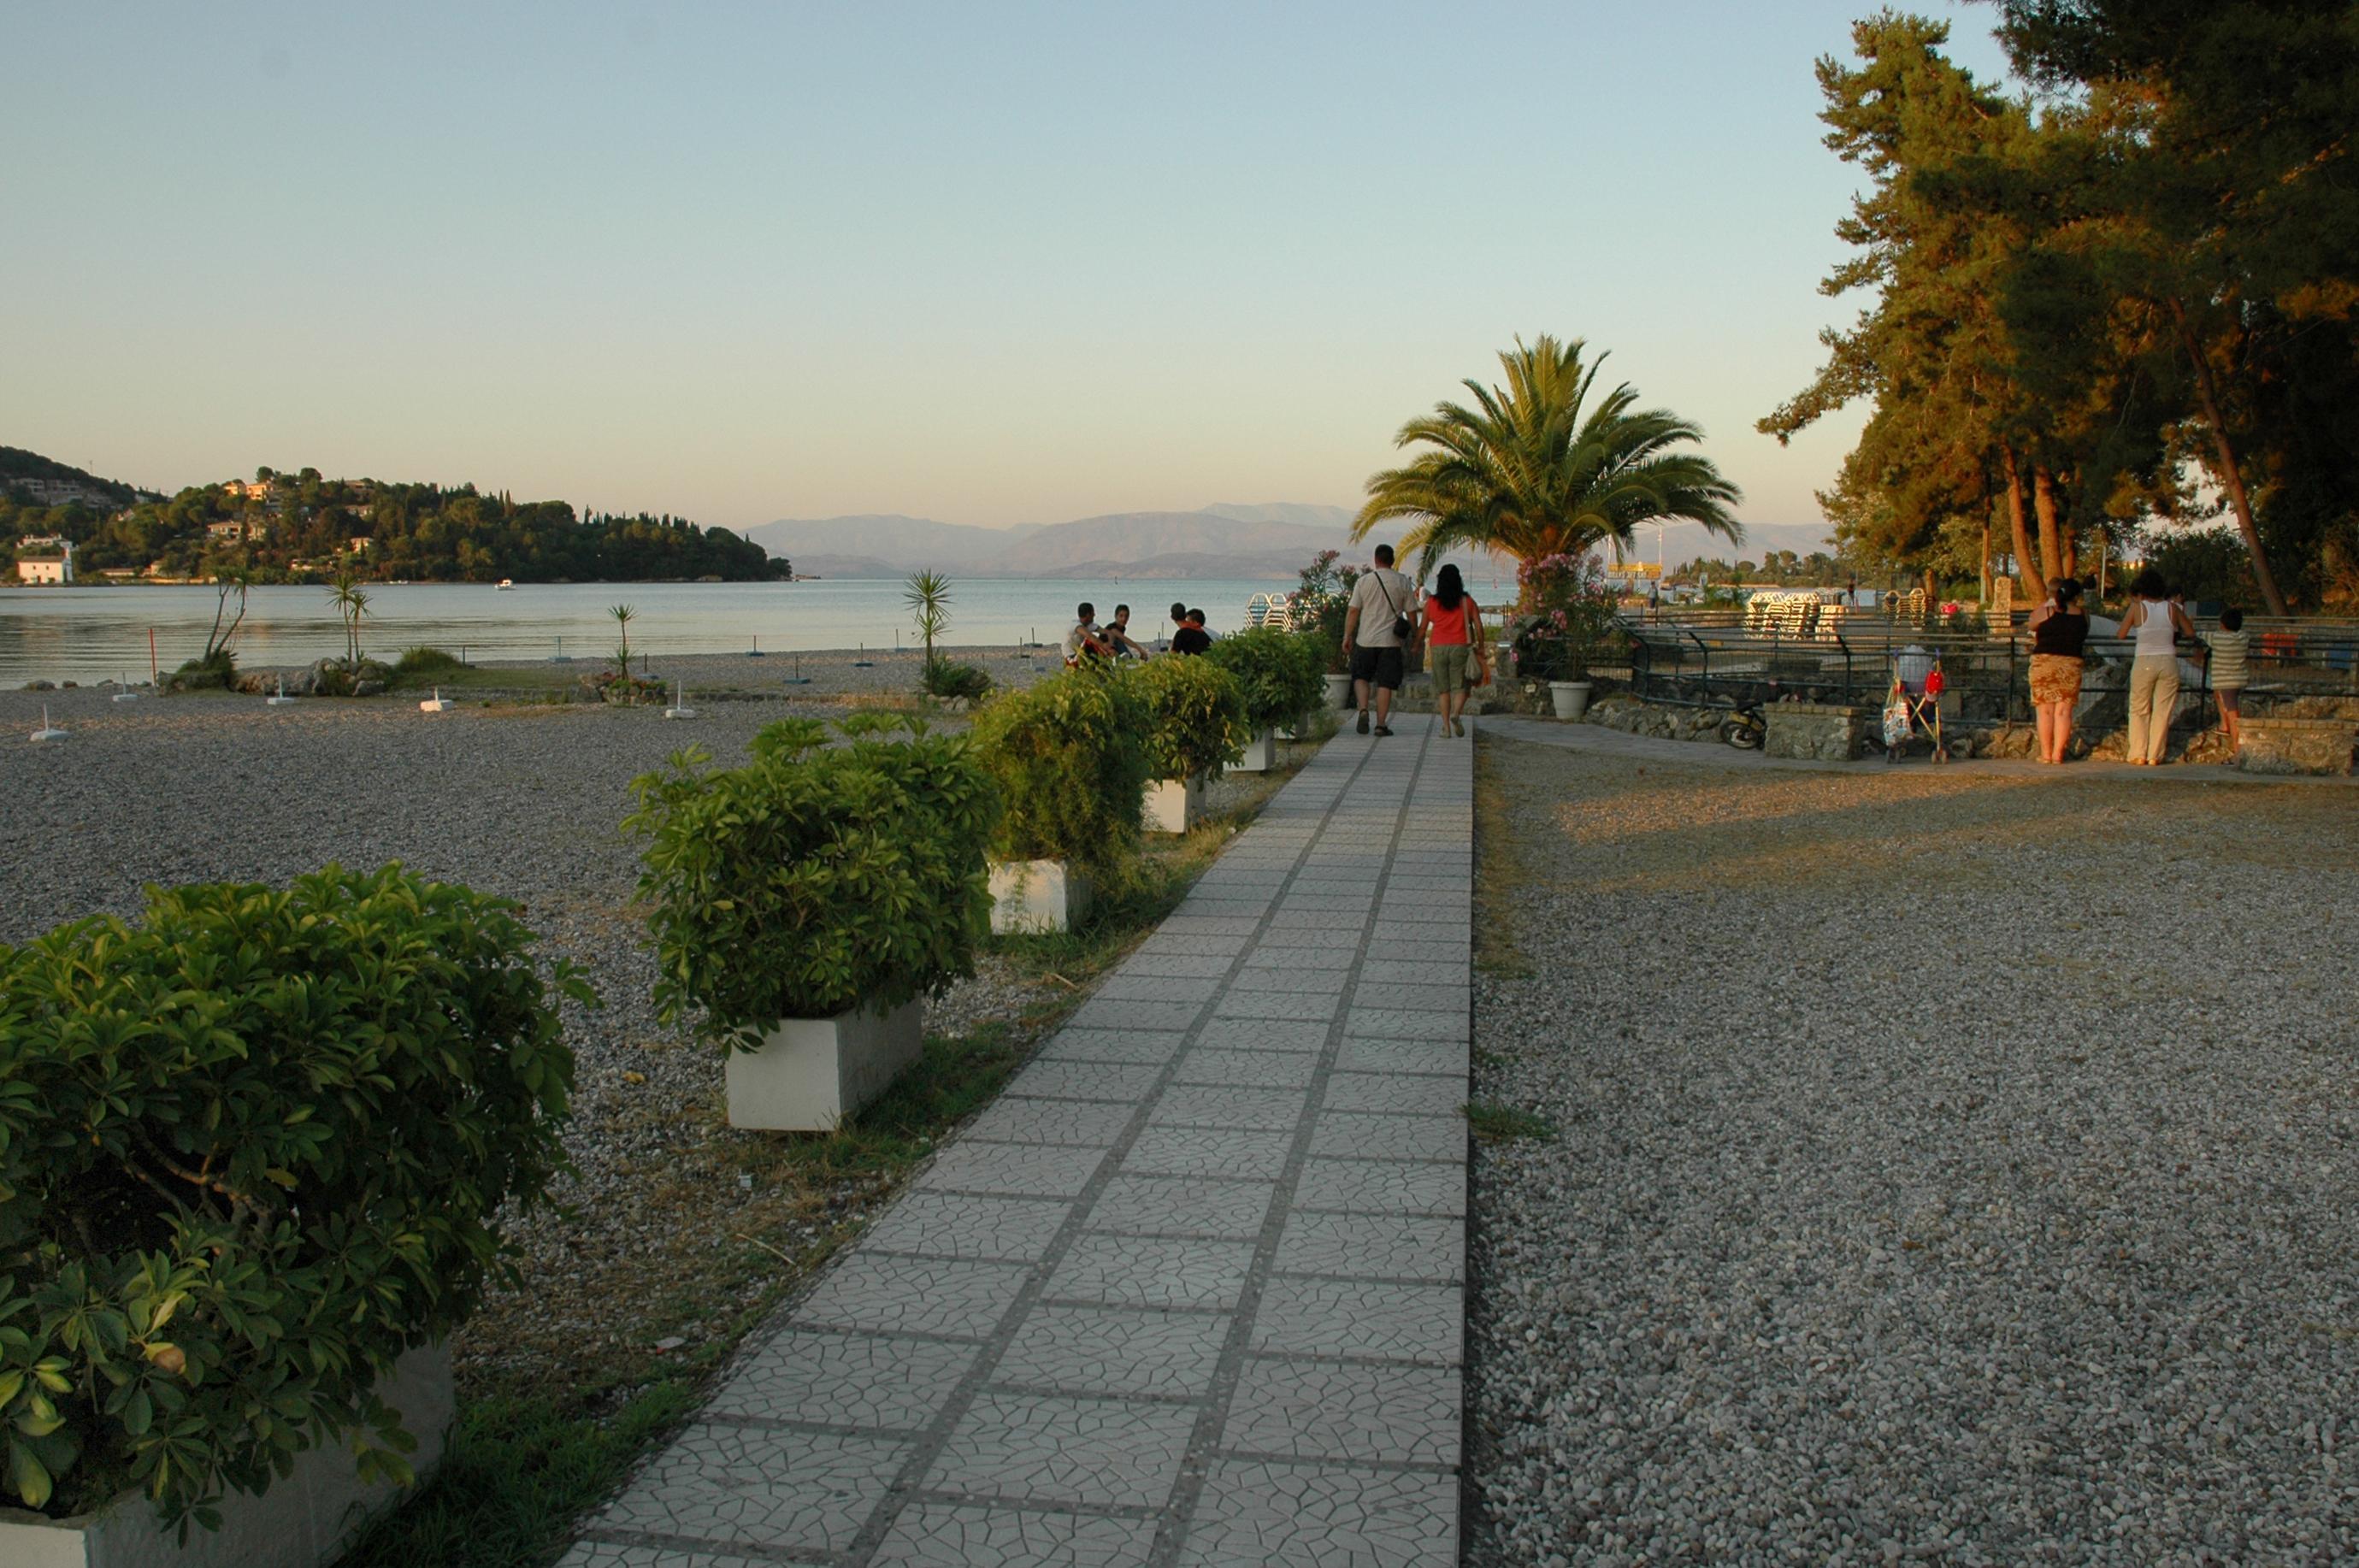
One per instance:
(1712,662)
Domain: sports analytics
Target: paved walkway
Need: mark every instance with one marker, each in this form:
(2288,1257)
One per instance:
(1191,1292)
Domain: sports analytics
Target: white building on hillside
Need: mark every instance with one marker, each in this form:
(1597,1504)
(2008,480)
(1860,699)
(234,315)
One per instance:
(59,572)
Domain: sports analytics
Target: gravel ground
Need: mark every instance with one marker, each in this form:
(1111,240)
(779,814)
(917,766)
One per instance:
(523,800)
(1944,1168)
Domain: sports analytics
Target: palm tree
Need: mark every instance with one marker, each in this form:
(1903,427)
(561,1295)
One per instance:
(1529,471)
(351,602)
(927,594)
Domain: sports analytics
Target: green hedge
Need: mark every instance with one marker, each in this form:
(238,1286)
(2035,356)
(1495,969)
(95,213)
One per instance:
(1195,715)
(816,877)
(1068,758)
(1280,675)
(251,1150)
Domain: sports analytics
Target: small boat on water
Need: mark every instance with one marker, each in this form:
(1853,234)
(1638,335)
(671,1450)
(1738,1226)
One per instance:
(507,584)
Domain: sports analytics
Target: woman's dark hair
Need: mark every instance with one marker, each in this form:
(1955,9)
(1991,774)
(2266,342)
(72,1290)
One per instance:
(1449,587)
(2148,585)
(2232,619)
(2067,592)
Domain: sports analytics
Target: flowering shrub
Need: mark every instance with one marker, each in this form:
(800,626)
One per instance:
(1567,617)
(1326,594)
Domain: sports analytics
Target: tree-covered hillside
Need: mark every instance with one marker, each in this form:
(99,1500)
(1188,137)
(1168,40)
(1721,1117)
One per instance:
(293,525)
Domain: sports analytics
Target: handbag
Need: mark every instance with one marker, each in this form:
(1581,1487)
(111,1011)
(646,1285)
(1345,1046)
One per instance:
(1400,621)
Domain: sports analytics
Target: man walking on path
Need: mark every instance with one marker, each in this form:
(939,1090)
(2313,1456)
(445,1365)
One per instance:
(1377,631)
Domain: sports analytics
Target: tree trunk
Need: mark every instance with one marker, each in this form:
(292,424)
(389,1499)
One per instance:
(2072,553)
(2223,464)
(2026,565)
(2043,501)
(1986,566)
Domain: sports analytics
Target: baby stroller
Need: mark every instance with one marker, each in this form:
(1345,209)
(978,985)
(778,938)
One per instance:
(1912,705)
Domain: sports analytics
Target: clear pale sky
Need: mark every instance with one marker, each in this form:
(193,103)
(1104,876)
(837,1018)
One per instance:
(987,263)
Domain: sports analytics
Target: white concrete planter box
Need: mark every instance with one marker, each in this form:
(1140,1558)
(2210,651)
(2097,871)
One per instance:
(807,1074)
(1260,757)
(1173,805)
(303,1521)
(1034,896)
(1339,691)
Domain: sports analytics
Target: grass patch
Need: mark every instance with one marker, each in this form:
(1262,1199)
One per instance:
(536,1449)
(1499,871)
(457,677)
(1504,1124)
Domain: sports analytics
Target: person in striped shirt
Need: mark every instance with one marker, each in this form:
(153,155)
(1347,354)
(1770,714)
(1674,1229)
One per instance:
(2229,664)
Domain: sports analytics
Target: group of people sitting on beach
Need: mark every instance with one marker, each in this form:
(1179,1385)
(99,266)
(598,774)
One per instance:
(1113,640)
(2153,624)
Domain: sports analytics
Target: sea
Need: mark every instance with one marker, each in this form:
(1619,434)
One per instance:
(91,634)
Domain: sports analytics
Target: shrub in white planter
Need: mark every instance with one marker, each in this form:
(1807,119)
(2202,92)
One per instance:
(813,882)
(251,1152)
(1068,758)
(1195,720)
(1279,676)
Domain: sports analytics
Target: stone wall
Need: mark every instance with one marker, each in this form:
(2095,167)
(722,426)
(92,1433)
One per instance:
(1817,732)
(2297,746)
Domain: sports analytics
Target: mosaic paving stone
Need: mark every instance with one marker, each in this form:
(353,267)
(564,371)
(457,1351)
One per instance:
(845,1380)
(1262,1515)
(1222,1106)
(1016,1169)
(1445,1057)
(913,1295)
(1380,1246)
(1062,1450)
(1396,1094)
(1112,1351)
(1080,1123)
(1083,1081)
(1138,1047)
(970,1535)
(1208,1151)
(1314,1409)
(1383,1187)
(804,1490)
(1181,1205)
(1248,1069)
(1151,1272)
(1347,1135)
(956,1224)
(1361,1318)
(1312,1006)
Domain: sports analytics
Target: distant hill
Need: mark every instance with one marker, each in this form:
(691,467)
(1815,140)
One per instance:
(1127,544)
(45,482)
(1334,518)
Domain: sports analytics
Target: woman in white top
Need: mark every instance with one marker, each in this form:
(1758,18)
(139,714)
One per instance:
(2157,623)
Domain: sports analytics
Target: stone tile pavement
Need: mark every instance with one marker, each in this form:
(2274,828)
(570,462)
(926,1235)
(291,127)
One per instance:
(1191,1293)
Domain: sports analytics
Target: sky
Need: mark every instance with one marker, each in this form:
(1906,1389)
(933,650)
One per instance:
(985,263)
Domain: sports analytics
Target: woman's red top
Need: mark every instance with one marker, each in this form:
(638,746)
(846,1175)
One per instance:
(1446,627)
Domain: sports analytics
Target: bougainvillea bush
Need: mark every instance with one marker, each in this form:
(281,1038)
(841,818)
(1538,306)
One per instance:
(252,1149)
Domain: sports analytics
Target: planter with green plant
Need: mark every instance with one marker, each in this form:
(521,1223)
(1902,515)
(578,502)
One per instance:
(1195,719)
(1566,620)
(1068,758)
(252,1152)
(1277,676)
(805,904)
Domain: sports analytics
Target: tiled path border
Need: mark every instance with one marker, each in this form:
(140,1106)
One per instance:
(1191,1292)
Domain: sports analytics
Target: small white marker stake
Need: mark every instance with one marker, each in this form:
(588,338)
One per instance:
(47,730)
(434,704)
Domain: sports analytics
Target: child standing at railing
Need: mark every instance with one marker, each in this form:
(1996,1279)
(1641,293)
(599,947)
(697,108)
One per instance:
(2229,664)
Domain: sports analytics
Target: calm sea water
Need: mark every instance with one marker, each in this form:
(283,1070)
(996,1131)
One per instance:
(94,634)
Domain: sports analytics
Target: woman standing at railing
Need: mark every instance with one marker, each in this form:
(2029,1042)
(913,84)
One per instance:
(2157,623)
(2059,636)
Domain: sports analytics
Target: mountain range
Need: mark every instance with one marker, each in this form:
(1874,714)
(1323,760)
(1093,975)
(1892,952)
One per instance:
(1273,539)
(1261,539)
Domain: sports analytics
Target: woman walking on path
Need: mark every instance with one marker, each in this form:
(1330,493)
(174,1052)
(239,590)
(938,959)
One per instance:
(2231,649)
(2059,633)
(1453,626)
(2157,623)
